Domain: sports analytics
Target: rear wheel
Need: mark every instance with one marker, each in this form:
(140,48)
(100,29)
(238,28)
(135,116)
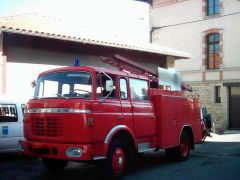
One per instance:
(181,152)
(116,160)
(54,165)
(204,130)
(184,148)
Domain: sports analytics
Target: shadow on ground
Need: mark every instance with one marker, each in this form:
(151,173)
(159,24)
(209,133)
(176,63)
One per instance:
(207,155)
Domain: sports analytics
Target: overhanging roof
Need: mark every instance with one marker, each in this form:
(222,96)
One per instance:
(42,26)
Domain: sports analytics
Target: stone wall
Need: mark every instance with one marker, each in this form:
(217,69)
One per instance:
(219,111)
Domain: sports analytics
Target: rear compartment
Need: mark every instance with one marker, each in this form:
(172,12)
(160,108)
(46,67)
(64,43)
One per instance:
(173,112)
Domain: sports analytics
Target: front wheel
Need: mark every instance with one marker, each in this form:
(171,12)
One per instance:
(54,165)
(116,160)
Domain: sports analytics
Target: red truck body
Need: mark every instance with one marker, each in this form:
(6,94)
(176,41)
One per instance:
(87,126)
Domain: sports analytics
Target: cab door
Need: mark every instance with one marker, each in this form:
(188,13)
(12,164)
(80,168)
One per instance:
(106,110)
(143,115)
(126,103)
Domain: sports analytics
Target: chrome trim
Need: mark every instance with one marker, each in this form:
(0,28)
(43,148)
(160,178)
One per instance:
(58,110)
(145,150)
(112,131)
(143,147)
(99,157)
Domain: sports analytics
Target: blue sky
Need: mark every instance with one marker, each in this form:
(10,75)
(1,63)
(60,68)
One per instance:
(8,7)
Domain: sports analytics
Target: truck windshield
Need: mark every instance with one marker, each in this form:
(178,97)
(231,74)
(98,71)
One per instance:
(64,85)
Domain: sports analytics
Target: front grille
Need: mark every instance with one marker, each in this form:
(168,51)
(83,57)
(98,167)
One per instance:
(50,127)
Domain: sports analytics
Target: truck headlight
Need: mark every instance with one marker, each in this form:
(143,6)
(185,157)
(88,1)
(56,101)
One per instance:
(74,152)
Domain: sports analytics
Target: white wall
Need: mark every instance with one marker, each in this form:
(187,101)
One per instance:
(24,65)
(188,37)
(176,13)
(19,78)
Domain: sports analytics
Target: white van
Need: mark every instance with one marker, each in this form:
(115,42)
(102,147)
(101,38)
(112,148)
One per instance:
(11,125)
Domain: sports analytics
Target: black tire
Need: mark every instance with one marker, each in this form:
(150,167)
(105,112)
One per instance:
(171,153)
(116,161)
(181,152)
(54,165)
(204,135)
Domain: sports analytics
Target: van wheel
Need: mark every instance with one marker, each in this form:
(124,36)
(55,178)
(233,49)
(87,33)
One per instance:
(181,152)
(54,165)
(116,160)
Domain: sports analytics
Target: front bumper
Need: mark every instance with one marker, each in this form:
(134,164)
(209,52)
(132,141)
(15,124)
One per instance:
(54,150)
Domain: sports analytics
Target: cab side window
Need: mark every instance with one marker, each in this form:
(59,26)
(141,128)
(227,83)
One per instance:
(123,89)
(102,90)
(139,89)
(8,113)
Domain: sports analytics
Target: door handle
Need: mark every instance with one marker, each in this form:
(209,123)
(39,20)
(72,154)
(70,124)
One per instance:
(120,117)
(174,121)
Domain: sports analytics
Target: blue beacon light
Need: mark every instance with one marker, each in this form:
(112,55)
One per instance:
(76,62)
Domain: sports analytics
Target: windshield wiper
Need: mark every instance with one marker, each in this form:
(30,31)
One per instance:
(35,97)
(61,96)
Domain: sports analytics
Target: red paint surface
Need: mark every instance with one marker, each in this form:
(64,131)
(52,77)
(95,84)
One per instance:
(158,121)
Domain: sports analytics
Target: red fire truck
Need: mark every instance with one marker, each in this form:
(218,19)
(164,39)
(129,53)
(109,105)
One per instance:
(91,113)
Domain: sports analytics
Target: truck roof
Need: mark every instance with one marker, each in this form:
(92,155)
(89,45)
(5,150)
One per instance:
(92,69)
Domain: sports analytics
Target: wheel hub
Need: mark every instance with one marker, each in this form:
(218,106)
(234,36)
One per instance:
(118,161)
(184,147)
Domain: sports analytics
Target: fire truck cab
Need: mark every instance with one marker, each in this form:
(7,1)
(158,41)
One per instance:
(90,113)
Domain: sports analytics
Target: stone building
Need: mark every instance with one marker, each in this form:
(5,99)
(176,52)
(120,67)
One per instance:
(209,30)
(30,44)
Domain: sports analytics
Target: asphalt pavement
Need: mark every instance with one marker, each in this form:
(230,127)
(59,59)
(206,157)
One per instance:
(217,158)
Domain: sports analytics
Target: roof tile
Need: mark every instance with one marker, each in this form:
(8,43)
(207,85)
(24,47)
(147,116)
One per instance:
(54,28)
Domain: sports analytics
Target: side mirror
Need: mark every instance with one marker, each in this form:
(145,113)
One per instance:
(33,84)
(109,85)
(102,100)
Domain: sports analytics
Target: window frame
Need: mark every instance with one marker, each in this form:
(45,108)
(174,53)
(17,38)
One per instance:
(139,100)
(217,94)
(114,78)
(216,7)
(123,78)
(214,44)
(39,91)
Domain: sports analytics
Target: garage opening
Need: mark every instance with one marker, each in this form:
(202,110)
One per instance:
(234,109)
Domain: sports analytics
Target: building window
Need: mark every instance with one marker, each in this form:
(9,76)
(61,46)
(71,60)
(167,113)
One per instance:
(213,7)
(217,94)
(213,55)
